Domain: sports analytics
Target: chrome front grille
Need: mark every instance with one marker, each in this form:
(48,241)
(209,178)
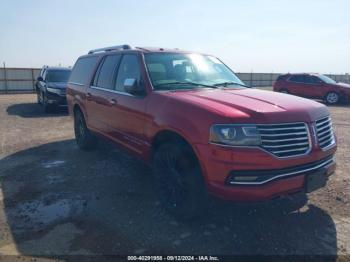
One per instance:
(324,132)
(285,140)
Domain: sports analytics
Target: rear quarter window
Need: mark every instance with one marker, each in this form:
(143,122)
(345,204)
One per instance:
(83,70)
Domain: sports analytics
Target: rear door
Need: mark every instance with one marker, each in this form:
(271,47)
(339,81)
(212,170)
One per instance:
(100,95)
(297,85)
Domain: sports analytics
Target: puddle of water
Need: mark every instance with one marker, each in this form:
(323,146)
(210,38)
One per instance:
(37,215)
(54,163)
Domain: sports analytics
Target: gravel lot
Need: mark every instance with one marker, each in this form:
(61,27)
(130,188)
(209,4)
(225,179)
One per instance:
(57,200)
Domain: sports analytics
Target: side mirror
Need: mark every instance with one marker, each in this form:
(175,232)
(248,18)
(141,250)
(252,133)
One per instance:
(132,87)
(40,78)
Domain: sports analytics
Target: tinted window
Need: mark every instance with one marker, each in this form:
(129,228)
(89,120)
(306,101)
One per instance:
(104,78)
(83,69)
(129,68)
(308,80)
(297,78)
(57,75)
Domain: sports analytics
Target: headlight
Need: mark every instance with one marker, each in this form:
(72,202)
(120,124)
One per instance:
(54,90)
(235,135)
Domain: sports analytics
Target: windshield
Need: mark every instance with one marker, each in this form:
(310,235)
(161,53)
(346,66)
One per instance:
(326,79)
(170,71)
(58,75)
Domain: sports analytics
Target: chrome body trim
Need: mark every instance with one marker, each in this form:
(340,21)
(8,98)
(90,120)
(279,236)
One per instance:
(326,163)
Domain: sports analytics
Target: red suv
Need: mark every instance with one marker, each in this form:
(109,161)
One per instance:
(313,86)
(199,127)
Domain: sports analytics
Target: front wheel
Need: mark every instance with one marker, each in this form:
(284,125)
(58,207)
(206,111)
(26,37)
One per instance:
(332,98)
(84,138)
(46,107)
(179,181)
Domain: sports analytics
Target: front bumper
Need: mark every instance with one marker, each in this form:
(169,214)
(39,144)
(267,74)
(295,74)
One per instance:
(260,176)
(55,99)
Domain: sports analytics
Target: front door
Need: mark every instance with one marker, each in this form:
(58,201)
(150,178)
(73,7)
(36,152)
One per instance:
(129,111)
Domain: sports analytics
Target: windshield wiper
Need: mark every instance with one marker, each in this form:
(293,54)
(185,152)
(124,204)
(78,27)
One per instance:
(183,83)
(225,84)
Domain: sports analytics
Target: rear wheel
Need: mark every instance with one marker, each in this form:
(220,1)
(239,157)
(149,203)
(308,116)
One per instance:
(332,98)
(179,181)
(84,138)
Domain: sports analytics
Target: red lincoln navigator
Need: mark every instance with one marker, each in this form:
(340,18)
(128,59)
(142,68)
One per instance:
(313,86)
(199,127)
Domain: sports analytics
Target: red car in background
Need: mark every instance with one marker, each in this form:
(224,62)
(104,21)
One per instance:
(313,86)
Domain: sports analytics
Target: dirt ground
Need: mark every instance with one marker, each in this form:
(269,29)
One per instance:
(56,200)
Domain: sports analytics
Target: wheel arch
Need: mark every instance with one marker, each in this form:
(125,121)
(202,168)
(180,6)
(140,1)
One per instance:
(340,95)
(168,135)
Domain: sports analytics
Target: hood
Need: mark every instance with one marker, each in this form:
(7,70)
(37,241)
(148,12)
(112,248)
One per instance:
(58,85)
(253,105)
(344,85)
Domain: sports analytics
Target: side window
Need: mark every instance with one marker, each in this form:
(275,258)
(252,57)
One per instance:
(83,69)
(316,80)
(129,68)
(307,80)
(104,77)
(297,78)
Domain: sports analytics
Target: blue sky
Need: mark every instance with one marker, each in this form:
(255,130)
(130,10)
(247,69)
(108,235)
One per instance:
(249,35)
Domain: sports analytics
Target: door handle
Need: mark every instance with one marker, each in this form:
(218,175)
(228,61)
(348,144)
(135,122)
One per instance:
(113,101)
(88,96)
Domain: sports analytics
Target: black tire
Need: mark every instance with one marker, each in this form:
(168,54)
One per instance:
(284,91)
(178,180)
(332,98)
(84,138)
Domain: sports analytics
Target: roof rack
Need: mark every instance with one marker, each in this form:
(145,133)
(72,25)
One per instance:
(110,48)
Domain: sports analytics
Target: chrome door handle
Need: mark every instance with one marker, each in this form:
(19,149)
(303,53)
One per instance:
(112,101)
(88,96)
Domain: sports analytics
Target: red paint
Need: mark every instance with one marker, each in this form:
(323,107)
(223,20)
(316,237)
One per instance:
(133,123)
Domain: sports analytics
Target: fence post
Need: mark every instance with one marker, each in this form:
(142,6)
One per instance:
(33,80)
(5,78)
(251,79)
(271,79)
